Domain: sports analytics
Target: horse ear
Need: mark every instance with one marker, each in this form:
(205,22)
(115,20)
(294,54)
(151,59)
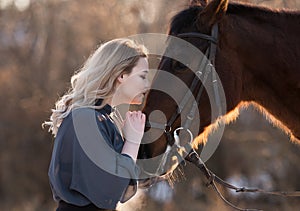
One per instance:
(201,3)
(212,13)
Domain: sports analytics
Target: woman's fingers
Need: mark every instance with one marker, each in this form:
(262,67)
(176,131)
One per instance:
(143,117)
(133,127)
(135,115)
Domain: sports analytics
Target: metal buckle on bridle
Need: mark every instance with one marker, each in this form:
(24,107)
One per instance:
(181,151)
(168,128)
(177,139)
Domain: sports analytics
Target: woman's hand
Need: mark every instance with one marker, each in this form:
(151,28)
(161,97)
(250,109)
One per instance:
(133,131)
(134,125)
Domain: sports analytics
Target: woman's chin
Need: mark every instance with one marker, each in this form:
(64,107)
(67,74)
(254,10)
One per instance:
(138,100)
(135,102)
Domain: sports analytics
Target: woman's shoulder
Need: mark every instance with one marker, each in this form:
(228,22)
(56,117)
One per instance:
(75,117)
(105,110)
(86,118)
(88,115)
(101,116)
(81,111)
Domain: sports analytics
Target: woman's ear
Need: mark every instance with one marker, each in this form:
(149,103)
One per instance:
(122,77)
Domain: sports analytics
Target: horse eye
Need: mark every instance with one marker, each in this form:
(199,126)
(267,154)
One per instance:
(178,66)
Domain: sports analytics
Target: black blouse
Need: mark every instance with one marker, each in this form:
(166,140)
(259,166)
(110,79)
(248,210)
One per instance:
(87,166)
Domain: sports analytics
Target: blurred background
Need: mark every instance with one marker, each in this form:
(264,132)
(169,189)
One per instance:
(42,43)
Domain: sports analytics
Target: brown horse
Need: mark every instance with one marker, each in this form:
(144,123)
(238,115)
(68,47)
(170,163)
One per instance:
(257,60)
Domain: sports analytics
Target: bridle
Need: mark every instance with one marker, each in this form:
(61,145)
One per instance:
(205,68)
(201,75)
(174,147)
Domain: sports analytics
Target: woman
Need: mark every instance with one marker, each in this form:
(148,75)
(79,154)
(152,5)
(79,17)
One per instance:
(93,160)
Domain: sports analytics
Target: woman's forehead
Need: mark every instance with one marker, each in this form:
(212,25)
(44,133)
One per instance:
(141,66)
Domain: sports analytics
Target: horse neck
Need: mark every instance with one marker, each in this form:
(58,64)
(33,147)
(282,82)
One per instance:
(264,51)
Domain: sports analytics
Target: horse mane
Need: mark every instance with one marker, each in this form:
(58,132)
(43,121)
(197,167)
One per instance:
(234,114)
(248,8)
(188,16)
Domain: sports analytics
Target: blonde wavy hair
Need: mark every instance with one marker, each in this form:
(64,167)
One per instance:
(97,78)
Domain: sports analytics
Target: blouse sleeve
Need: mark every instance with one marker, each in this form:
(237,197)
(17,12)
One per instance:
(98,172)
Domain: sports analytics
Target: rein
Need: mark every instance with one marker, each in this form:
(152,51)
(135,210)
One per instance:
(173,141)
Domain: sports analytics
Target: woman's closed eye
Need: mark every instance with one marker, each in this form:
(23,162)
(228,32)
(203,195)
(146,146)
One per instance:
(143,77)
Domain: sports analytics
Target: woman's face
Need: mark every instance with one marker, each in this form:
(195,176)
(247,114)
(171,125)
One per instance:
(133,87)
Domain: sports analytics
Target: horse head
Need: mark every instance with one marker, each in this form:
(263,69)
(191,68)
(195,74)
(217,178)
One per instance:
(197,26)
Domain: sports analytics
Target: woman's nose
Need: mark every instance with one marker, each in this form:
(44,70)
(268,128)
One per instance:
(147,84)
